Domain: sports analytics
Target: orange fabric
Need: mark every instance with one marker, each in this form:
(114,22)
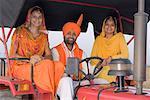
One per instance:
(27,45)
(62,57)
(33,46)
(71,26)
(79,22)
(44,71)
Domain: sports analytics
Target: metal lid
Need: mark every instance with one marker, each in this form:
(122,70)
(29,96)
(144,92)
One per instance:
(120,72)
(120,67)
(120,61)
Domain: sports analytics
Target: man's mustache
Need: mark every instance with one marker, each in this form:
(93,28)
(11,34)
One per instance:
(71,38)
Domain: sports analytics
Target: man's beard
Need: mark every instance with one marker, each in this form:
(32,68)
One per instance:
(67,41)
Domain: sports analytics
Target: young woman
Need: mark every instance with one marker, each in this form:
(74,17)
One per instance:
(109,45)
(29,41)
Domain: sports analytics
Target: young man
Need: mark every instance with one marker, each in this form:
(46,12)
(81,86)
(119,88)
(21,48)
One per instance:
(68,48)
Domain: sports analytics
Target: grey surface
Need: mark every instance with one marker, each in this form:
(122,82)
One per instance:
(9,11)
(140,28)
(6,95)
(72,66)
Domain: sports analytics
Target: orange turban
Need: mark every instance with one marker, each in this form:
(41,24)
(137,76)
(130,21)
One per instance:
(73,26)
